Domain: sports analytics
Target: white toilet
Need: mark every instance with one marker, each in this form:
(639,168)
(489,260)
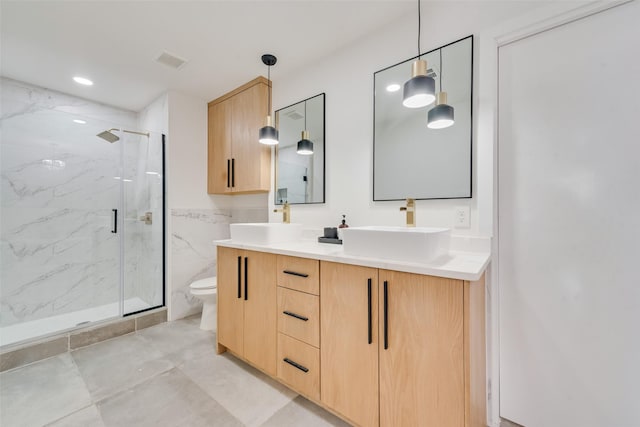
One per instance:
(206,290)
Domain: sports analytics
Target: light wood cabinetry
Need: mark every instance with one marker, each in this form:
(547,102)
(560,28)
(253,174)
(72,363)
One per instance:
(237,162)
(374,346)
(247,306)
(299,366)
(300,274)
(299,324)
(421,351)
(299,315)
(349,337)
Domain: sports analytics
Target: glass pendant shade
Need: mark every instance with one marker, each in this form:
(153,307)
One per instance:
(440,116)
(268,134)
(305,146)
(419,91)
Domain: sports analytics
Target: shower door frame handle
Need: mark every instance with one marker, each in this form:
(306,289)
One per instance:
(115,221)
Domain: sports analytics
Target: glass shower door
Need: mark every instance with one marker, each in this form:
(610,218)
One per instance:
(59,259)
(143,227)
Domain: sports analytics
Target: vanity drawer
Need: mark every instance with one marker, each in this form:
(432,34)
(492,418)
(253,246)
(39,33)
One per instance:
(299,366)
(299,315)
(301,274)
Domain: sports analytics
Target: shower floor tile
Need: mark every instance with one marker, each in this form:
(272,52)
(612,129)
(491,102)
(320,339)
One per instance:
(166,375)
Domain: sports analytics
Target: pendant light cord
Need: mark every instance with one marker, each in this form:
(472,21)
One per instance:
(270,87)
(419,25)
(440,69)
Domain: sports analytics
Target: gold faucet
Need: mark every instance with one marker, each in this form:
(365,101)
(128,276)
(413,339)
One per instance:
(286,213)
(411,212)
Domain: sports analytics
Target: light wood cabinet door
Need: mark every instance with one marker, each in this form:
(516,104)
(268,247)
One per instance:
(230,301)
(219,148)
(252,160)
(237,162)
(349,341)
(421,359)
(260,305)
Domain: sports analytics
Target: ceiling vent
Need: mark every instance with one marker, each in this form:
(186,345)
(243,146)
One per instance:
(432,72)
(171,60)
(294,115)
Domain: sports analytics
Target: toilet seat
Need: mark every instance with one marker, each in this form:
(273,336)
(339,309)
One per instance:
(208,283)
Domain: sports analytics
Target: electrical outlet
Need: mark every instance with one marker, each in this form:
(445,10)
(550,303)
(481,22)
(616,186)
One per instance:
(461,217)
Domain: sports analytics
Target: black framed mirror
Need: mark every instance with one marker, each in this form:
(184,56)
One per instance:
(300,158)
(411,159)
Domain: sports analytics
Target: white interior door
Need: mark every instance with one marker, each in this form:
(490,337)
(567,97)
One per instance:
(569,223)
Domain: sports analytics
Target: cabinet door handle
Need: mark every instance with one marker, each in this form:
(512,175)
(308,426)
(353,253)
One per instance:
(296,365)
(369,310)
(233,172)
(115,221)
(386,316)
(228,173)
(246,287)
(297,316)
(293,273)
(239,277)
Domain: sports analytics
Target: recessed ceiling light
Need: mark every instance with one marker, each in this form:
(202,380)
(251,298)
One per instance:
(394,87)
(80,122)
(83,81)
(152,173)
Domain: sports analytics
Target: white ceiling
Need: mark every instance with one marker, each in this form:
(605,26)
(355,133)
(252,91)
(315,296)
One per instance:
(114,43)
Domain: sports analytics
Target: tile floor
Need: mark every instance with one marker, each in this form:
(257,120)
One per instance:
(166,375)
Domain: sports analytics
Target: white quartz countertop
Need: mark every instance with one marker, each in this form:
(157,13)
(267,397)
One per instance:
(456,265)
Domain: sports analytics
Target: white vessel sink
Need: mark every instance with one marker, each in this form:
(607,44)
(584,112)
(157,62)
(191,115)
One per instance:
(414,244)
(265,233)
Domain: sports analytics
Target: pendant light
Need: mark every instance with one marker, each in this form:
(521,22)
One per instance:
(440,116)
(419,91)
(305,146)
(268,133)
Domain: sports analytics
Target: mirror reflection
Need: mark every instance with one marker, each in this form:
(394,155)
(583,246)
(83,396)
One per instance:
(300,153)
(412,159)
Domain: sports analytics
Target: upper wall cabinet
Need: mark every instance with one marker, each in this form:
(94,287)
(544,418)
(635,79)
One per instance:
(411,159)
(237,163)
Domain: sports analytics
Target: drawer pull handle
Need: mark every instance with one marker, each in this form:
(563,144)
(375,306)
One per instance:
(297,316)
(296,365)
(293,273)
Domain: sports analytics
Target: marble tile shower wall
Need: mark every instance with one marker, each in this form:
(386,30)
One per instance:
(57,252)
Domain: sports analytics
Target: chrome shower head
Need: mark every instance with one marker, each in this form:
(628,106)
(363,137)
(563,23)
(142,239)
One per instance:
(108,136)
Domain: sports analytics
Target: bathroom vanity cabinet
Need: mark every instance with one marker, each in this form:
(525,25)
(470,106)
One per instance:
(237,163)
(247,306)
(377,347)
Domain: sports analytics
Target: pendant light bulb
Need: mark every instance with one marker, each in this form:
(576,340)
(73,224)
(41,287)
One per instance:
(268,134)
(419,91)
(440,116)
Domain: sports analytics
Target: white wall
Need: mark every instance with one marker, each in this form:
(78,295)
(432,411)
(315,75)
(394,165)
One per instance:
(347,79)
